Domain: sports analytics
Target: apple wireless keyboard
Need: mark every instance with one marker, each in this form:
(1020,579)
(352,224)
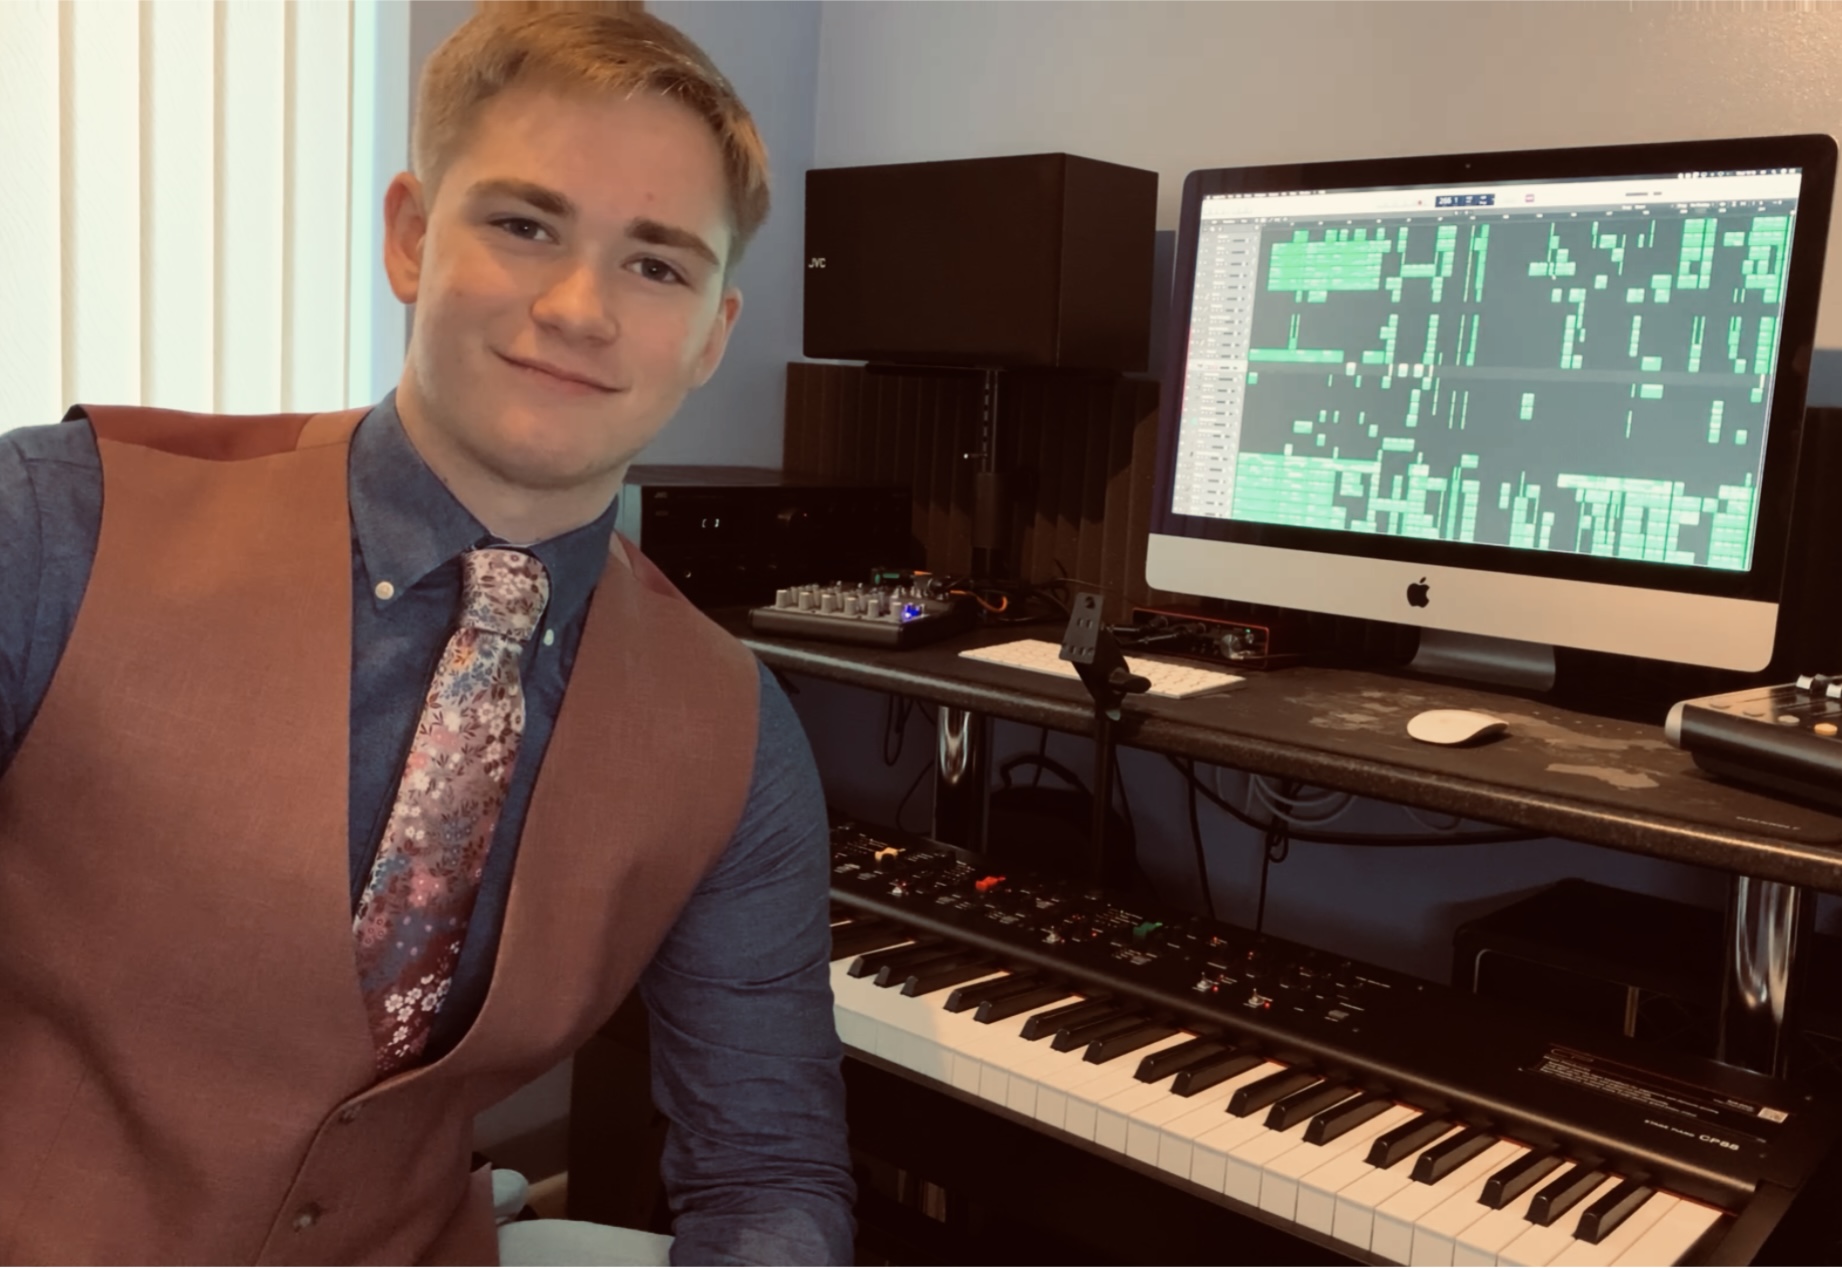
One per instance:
(1171,678)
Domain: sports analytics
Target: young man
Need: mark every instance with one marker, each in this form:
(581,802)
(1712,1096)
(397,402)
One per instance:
(348,781)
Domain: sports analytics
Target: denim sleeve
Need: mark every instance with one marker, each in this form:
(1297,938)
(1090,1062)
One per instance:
(745,1054)
(50,518)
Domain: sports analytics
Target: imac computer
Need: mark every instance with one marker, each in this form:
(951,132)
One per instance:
(1521,400)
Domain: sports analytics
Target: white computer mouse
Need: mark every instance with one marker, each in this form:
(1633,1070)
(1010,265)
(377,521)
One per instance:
(1454,726)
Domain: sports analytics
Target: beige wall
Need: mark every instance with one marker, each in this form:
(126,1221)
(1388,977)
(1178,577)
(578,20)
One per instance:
(1179,86)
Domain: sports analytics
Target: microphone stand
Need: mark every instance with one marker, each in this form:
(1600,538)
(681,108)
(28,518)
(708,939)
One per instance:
(1090,646)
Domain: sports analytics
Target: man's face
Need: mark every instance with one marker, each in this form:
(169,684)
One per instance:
(568,283)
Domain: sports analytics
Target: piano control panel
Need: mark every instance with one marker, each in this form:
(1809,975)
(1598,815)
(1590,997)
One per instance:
(1227,970)
(1356,1106)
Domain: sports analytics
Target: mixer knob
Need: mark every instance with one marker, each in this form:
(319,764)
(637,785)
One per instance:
(852,605)
(828,600)
(805,601)
(783,599)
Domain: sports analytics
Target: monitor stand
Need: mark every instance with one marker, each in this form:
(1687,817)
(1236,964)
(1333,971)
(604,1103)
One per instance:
(1503,662)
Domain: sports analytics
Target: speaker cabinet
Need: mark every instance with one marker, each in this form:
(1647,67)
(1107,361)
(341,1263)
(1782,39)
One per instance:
(1040,260)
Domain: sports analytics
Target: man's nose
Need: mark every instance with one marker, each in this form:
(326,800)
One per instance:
(576,304)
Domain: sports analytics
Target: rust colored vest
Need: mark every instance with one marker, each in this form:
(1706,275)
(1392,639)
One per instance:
(185,1068)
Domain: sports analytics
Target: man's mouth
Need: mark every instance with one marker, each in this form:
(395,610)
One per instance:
(559,374)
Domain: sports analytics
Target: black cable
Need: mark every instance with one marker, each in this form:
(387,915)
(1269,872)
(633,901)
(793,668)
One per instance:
(1275,846)
(1353,838)
(1042,750)
(895,723)
(902,805)
(1202,861)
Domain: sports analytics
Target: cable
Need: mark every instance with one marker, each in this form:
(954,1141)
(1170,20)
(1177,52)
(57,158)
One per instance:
(895,722)
(1275,848)
(902,805)
(1426,822)
(1202,859)
(1357,838)
(1333,805)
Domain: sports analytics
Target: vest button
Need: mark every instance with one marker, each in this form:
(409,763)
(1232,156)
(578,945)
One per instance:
(307,1217)
(351,1112)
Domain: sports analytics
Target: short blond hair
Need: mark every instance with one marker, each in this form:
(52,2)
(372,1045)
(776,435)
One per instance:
(583,46)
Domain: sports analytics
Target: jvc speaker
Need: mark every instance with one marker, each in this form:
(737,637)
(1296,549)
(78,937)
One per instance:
(1036,261)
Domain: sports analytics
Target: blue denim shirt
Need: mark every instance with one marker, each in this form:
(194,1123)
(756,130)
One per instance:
(745,1056)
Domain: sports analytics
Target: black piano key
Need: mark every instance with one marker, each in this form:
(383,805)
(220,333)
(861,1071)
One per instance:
(1119,1045)
(1078,1013)
(1344,1117)
(1212,1070)
(1564,1192)
(1409,1138)
(870,965)
(1068,1038)
(1518,1177)
(1610,1211)
(854,939)
(1263,1092)
(971,996)
(1299,1106)
(927,980)
(1450,1154)
(1161,1065)
(897,970)
(1014,1005)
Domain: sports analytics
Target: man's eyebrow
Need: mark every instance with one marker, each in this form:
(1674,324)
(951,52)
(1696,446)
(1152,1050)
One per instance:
(548,201)
(664,235)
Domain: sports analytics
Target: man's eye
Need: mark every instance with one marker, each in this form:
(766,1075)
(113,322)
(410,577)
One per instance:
(519,227)
(657,270)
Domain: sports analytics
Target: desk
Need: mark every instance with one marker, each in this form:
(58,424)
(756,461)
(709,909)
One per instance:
(1597,780)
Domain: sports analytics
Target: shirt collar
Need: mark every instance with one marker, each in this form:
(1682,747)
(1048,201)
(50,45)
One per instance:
(407,524)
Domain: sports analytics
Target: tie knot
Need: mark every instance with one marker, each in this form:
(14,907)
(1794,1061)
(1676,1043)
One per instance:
(503,592)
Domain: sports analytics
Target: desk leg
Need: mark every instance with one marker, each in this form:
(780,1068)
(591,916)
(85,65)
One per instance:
(1765,921)
(961,778)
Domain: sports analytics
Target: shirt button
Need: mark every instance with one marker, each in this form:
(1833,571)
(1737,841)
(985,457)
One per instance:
(549,638)
(385,590)
(307,1217)
(351,1112)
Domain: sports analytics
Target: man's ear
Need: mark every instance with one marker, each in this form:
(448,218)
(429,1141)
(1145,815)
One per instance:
(406,224)
(729,308)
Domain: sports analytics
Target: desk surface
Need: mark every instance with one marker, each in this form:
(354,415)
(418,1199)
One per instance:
(1557,772)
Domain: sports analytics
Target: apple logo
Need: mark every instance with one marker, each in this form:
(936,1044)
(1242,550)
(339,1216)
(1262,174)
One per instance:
(1416,593)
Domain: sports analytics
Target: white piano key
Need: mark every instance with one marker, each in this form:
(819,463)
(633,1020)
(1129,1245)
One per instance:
(1279,1186)
(1209,1154)
(1009,1051)
(1672,1236)
(1318,1190)
(932,1033)
(1435,1237)
(1619,1240)
(855,1028)
(1354,1219)
(1399,1214)
(1177,1138)
(1028,1093)
(1538,1245)
(1114,1117)
(1117,1075)
(1479,1245)
(1244,1162)
(1145,1130)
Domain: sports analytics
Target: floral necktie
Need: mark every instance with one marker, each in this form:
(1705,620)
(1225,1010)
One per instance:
(412,917)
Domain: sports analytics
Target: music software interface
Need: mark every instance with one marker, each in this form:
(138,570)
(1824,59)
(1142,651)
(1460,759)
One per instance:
(1581,366)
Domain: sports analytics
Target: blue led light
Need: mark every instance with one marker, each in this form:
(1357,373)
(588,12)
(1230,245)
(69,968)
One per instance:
(910,611)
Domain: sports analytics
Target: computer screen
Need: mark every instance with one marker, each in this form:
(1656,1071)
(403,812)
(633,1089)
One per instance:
(1546,396)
